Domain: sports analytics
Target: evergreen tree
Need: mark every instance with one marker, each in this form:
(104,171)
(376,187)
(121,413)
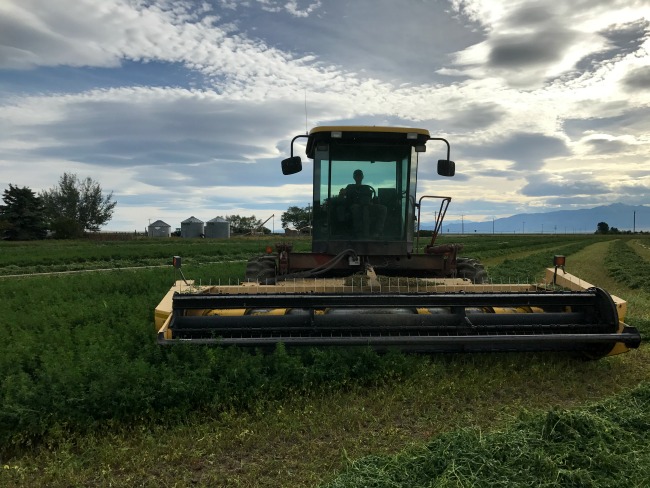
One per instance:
(22,217)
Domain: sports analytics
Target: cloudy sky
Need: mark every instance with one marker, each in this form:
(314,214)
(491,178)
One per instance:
(187,107)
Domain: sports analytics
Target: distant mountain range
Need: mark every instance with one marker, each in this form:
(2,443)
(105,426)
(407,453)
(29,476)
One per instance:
(623,217)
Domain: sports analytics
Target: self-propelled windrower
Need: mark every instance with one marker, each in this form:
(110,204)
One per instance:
(365,282)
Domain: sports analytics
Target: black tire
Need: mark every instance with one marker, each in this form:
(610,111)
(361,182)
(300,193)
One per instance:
(261,269)
(471,269)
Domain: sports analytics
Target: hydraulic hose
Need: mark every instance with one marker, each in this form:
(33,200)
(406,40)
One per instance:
(318,270)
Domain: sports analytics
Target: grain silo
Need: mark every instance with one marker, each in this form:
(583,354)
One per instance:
(192,227)
(159,229)
(218,228)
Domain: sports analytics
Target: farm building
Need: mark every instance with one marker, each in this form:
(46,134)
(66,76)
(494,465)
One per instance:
(192,227)
(159,229)
(218,228)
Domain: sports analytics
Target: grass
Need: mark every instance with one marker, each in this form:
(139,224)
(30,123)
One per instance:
(608,274)
(625,265)
(56,256)
(604,444)
(529,268)
(494,249)
(100,404)
(302,439)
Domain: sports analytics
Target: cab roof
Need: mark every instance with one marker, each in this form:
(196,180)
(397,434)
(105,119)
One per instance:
(366,134)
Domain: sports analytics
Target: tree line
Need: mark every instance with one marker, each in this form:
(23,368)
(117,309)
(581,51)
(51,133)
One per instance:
(245,225)
(75,206)
(604,228)
(67,210)
(297,217)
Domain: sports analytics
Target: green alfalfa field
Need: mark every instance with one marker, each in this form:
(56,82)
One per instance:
(87,398)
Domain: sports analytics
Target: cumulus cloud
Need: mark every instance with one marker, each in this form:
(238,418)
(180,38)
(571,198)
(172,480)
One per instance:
(606,146)
(170,127)
(531,49)
(638,79)
(530,44)
(295,8)
(526,151)
(78,33)
(624,121)
(476,116)
(567,186)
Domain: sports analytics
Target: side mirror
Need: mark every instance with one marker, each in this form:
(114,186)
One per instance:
(291,165)
(446,167)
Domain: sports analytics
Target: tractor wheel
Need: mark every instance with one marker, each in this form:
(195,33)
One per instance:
(261,269)
(471,269)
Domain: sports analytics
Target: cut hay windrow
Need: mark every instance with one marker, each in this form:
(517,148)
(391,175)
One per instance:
(626,266)
(604,445)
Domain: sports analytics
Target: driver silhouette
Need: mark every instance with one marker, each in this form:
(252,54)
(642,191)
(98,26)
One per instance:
(367,216)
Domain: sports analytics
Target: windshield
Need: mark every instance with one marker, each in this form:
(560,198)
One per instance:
(360,191)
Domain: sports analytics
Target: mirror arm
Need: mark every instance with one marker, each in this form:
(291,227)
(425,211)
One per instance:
(297,137)
(443,140)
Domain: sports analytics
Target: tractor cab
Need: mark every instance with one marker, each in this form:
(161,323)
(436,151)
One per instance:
(364,187)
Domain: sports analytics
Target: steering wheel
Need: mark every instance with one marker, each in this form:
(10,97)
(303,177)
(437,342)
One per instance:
(363,192)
